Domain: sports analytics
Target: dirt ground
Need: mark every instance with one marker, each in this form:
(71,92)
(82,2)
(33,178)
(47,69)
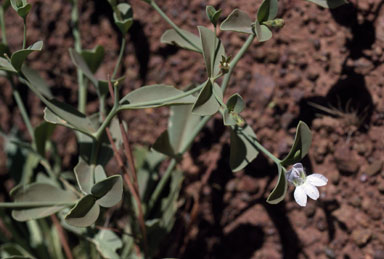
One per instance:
(324,67)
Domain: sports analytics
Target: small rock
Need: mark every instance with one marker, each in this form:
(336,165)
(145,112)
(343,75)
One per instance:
(374,168)
(345,160)
(361,236)
(334,177)
(345,214)
(355,201)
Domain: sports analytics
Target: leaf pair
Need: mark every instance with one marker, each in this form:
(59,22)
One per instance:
(235,105)
(21,7)
(18,57)
(298,151)
(239,21)
(123,16)
(100,191)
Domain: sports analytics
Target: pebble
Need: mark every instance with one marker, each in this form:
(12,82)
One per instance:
(374,168)
(361,236)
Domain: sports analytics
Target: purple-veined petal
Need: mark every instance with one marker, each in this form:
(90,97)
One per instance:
(298,166)
(300,196)
(317,179)
(311,191)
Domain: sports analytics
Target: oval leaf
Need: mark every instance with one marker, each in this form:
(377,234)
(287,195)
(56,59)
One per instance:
(242,150)
(151,93)
(181,123)
(6,65)
(172,37)
(85,212)
(278,193)
(263,33)
(123,17)
(329,3)
(267,10)
(88,175)
(301,145)
(39,82)
(17,58)
(40,192)
(213,50)
(80,63)
(235,103)
(237,21)
(93,57)
(206,103)
(108,192)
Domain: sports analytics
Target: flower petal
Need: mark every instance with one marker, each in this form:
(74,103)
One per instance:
(298,166)
(311,191)
(317,179)
(300,196)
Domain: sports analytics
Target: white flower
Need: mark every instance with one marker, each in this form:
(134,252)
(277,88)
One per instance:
(305,185)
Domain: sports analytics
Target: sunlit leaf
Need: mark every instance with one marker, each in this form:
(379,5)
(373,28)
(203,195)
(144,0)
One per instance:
(39,192)
(301,145)
(123,19)
(172,37)
(278,193)
(237,21)
(267,10)
(17,58)
(242,149)
(206,103)
(329,3)
(213,14)
(213,50)
(6,65)
(88,175)
(263,33)
(108,191)
(84,213)
(143,96)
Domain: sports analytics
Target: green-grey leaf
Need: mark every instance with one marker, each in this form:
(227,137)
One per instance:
(278,193)
(267,10)
(123,19)
(206,103)
(42,134)
(39,192)
(93,57)
(242,150)
(301,145)
(172,37)
(17,58)
(237,21)
(213,50)
(263,33)
(6,65)
(329,3)
(39,82)
(151,93)
(212,14)
(21,7)
(181,123)
(69,114)
(235,103)
(88,175)
(81,64)
(84,213)
(228,119)
(108,192)
(107,243)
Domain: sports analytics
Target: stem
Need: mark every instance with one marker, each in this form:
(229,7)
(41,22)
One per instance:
(164,179)
(62,236)
(235,60)
(21,106)
(25,33)
(76,36)
(174,26)
(139,105)
(34,204)
(119,59)
(260,147)
(2,24)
